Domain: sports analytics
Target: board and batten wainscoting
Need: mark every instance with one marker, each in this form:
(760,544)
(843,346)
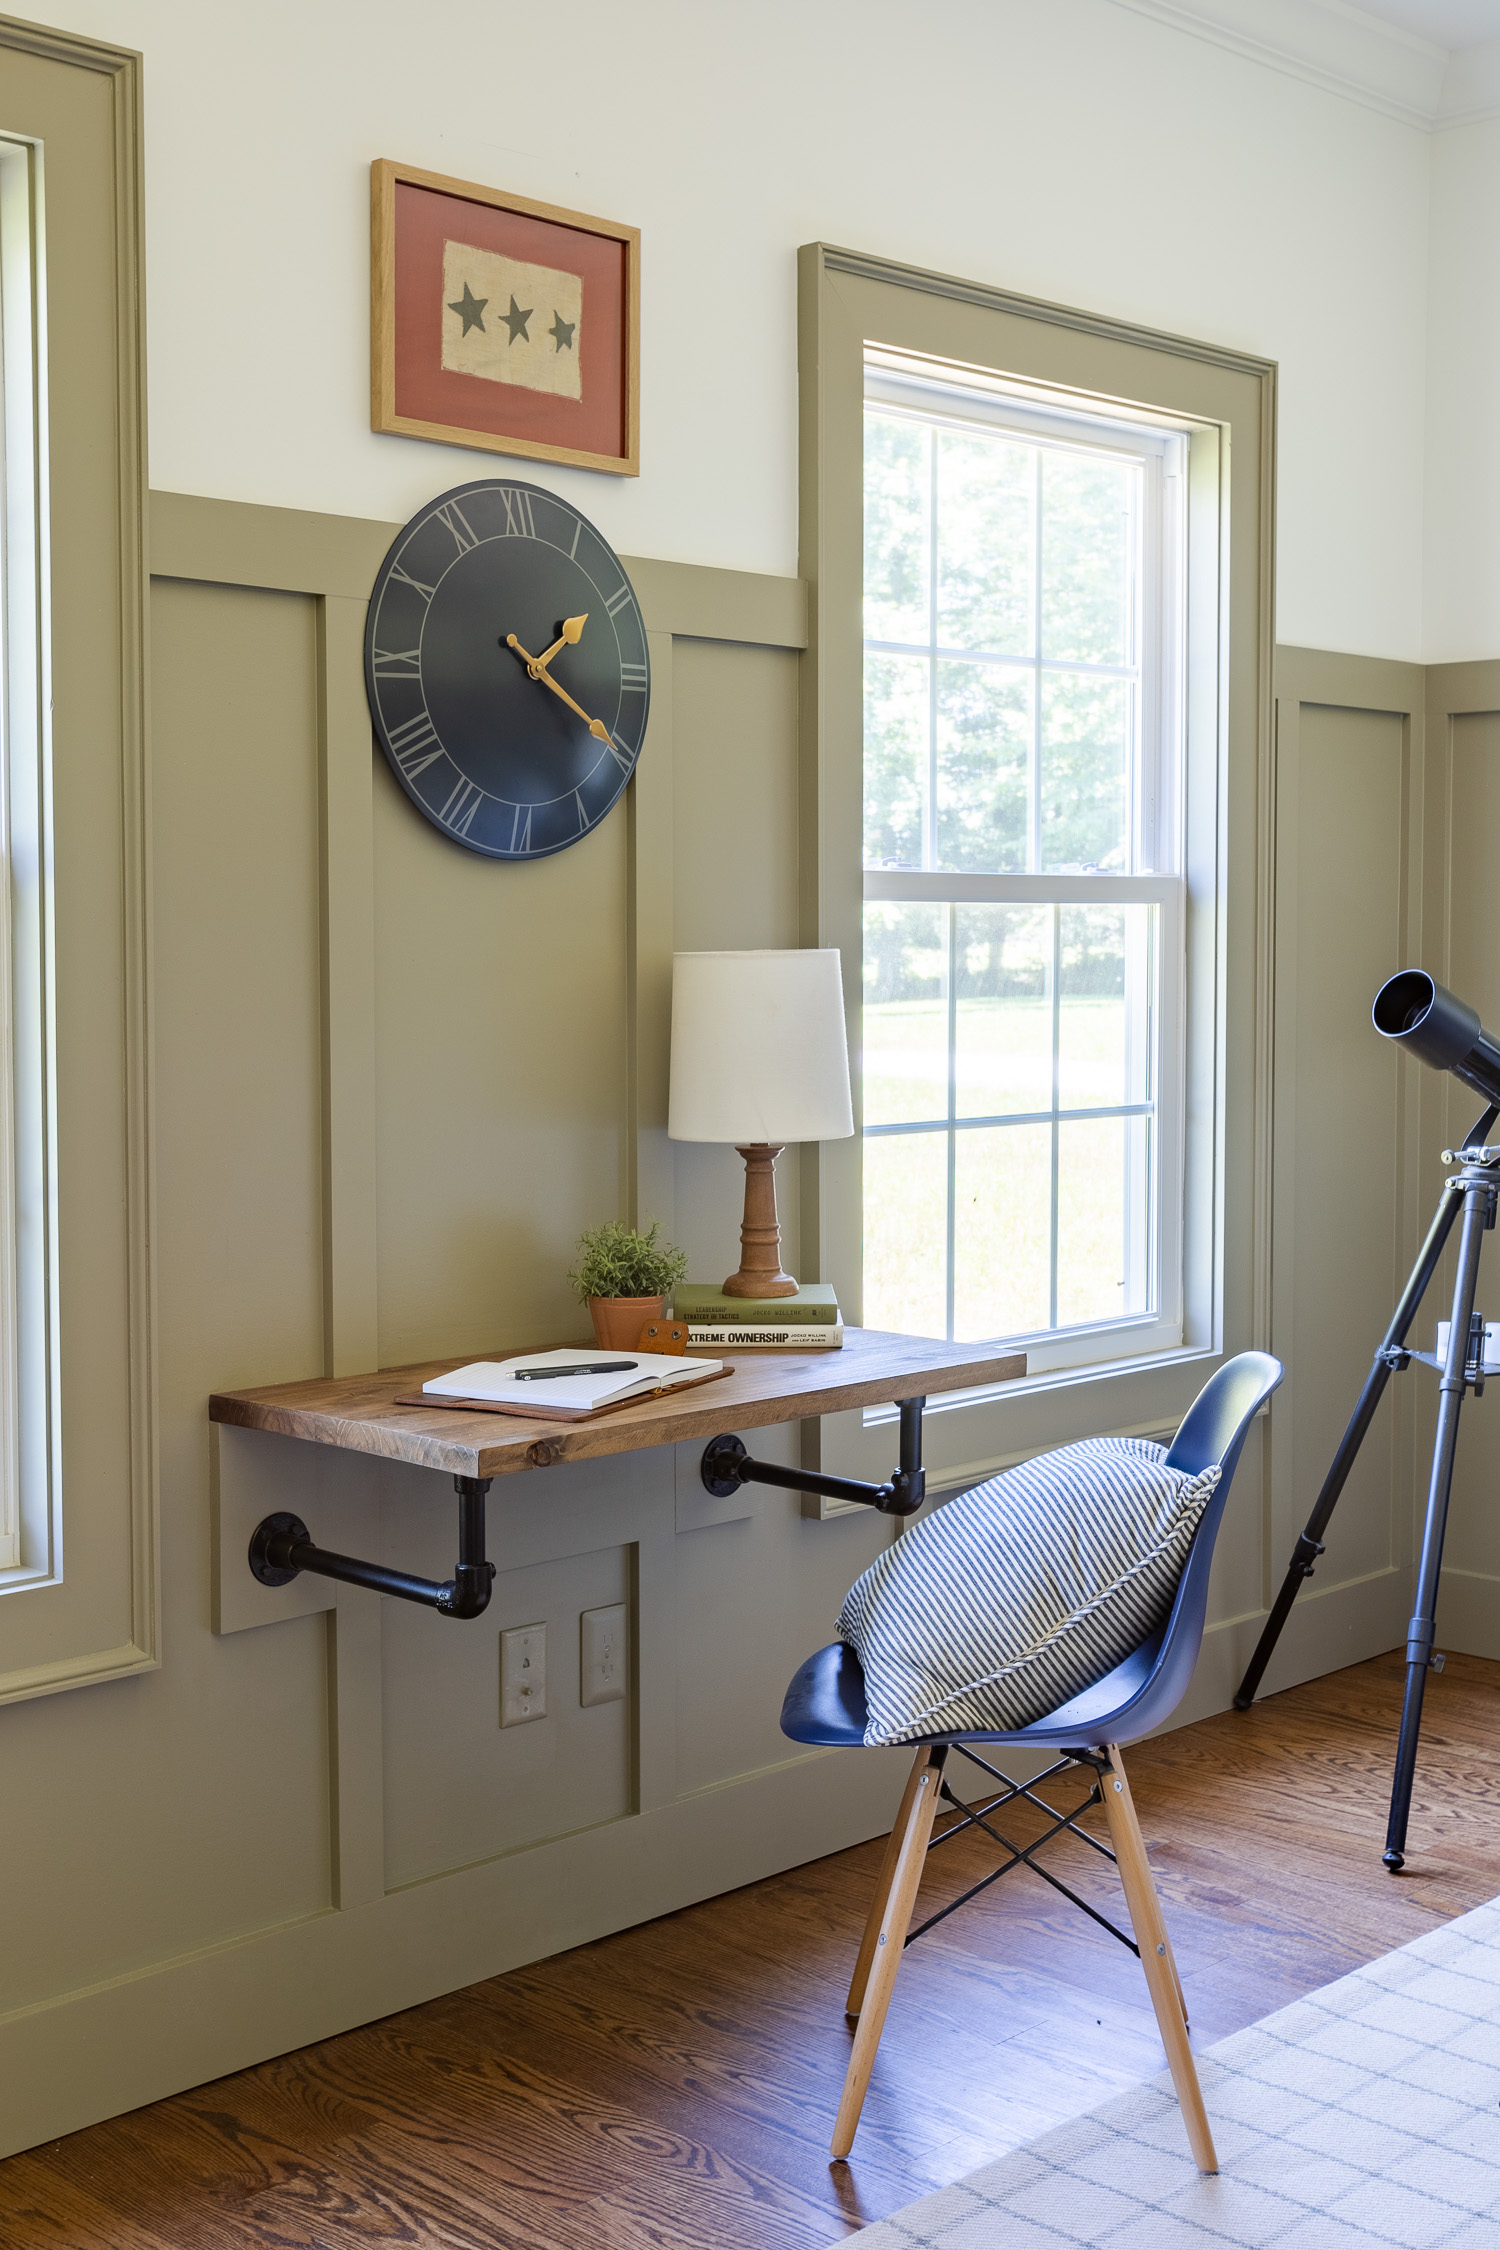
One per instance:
(392,1082)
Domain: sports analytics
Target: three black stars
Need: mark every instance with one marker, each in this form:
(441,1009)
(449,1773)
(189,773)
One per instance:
(471,310)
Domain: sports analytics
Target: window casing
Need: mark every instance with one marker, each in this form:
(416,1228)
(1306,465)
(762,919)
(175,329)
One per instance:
(1023,896)
(858,310)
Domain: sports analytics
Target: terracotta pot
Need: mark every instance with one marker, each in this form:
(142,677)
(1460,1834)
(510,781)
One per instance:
(618,1321)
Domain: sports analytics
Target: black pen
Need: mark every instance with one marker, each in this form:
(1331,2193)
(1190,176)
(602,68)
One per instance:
(593,1367)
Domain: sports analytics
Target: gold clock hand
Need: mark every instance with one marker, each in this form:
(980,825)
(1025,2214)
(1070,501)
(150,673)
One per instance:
(535,667)
(567,638)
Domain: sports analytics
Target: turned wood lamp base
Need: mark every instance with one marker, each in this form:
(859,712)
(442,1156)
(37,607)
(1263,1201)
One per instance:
(760,1273)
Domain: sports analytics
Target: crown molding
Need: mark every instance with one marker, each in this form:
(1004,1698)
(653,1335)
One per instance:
(1343,50)
(1471,91)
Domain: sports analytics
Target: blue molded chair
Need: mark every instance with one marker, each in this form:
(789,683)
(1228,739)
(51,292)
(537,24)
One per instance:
(825,1704)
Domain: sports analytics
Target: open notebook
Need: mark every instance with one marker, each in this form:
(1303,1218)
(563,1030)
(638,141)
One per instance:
(566,1381)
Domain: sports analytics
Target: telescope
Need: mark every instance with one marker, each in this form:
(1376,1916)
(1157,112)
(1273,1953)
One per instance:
(1421,1016)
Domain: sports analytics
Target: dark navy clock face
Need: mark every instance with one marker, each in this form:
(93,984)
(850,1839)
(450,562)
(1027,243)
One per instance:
(507,669)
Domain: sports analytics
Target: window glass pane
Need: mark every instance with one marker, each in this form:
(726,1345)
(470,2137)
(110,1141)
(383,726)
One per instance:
(1104,1019)
(1002,1231)
(905,1065)
(984,731)
(897,718)
(1085,764)
(906,1233)
(1093,1187)
(898,502)
(1003,1035)
(986,543)
(1088,540)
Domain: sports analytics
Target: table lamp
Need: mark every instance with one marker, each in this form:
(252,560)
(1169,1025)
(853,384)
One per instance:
(759,1058)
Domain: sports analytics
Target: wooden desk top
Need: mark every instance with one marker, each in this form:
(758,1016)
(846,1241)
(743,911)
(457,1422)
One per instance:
(357,1411)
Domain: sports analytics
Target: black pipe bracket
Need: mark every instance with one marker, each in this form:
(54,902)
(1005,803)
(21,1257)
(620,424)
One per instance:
(282,1548)
(726,1466)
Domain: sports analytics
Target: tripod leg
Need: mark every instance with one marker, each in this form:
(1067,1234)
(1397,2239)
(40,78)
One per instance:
(1310,1543)
(1479,1214)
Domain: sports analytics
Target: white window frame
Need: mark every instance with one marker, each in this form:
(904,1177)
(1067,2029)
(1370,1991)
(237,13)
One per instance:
(30,1405)
(954,399)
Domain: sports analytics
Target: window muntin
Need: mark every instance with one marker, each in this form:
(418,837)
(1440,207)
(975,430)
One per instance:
(1023,924)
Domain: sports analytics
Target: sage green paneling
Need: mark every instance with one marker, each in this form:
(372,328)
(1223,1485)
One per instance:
(150,1835)
(1341,1247)
(459,1786)
(1347,787)
(501,1005)
(239,1036)
(1473,971)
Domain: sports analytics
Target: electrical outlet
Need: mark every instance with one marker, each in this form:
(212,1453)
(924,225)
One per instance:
(523,1674)
(603,1655)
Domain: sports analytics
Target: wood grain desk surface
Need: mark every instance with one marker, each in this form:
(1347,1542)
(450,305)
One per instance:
(358,1412)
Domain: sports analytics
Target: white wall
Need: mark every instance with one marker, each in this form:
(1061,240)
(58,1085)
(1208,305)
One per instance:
(1463,523)
(1073,150)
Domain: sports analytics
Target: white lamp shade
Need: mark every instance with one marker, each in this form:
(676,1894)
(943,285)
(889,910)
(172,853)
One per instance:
(759,1051)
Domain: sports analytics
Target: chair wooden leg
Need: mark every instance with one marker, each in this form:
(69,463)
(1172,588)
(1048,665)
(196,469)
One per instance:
(867,1943)
(910,1839)
(1156,1958)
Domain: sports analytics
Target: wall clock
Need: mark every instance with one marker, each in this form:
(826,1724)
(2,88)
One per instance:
(507,669)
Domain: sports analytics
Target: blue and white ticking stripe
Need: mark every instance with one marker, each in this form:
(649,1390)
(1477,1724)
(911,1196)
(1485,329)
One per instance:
(1008,1602)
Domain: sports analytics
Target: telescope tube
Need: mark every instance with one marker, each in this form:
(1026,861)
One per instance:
(1421,1015)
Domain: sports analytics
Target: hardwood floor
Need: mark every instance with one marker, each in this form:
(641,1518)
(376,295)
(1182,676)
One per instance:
(673,2088)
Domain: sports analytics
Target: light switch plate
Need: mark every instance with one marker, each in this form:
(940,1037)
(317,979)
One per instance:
(523,1674)
(603,1655)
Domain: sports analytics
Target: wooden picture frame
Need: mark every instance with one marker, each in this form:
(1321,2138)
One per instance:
(445,366)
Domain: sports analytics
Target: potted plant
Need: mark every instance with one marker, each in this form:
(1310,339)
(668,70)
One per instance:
(625,1278)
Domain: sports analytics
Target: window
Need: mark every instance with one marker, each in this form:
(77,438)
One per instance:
(1024,594)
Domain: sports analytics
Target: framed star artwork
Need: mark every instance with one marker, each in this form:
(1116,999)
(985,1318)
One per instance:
(501,323)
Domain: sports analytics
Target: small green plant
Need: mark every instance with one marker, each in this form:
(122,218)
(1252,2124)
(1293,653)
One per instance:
(615,1261)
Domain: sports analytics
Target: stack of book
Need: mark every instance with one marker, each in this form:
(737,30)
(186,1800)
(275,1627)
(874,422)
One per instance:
(810,1321)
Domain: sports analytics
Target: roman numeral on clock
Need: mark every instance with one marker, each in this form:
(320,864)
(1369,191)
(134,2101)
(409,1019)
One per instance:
(621,757)
(582,810)
(520,829)
(415,584)
(461,807)
(633,679)
(415,745)
(397,663)
(616,601)
(453,519)
(518,518)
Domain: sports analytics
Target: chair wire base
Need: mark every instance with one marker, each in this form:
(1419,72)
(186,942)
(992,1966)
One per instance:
(977,1816)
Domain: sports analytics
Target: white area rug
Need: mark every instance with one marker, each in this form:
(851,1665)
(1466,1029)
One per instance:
(1367,2113)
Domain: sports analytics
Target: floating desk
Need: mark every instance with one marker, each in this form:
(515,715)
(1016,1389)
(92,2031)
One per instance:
(358,1413)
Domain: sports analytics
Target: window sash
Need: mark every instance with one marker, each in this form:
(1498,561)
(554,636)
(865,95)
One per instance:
(1161,1327)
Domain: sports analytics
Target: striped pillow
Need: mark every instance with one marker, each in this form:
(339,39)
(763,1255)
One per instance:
(1008,1602)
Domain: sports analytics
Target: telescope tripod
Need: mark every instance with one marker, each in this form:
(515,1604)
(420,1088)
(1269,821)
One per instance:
(1472,1191)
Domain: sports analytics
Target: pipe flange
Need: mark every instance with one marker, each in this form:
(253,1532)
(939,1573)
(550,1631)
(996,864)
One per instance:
(273,1538)
(721,1459)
